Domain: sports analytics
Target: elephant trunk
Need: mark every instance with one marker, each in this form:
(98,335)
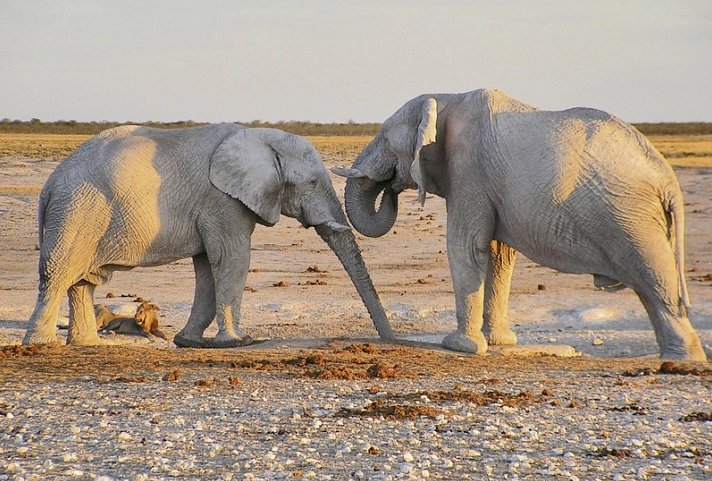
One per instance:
(343,243)
(360,199)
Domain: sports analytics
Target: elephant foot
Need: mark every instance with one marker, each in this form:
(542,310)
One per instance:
(226,339)
(693,353)
(181,340)
(41,339)
(457,341)
(501,337)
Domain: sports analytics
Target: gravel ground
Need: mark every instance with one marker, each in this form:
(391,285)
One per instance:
(348,411)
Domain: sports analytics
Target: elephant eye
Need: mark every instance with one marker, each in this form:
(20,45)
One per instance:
(313,182)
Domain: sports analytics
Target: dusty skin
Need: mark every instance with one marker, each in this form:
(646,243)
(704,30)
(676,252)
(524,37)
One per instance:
(321,398)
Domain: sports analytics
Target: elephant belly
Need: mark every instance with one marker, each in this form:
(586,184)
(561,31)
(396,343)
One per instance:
(169,248)
(555,242)
(140,245)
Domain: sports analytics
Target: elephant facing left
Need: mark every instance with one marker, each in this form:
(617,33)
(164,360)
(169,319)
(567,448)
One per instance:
(137,196)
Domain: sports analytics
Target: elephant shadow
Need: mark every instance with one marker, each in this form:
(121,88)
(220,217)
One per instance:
(8,324)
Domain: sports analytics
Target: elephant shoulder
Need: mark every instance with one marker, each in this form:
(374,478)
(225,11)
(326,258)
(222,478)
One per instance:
(496,101)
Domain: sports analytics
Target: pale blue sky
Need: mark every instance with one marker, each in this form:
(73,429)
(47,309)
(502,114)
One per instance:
(334,61)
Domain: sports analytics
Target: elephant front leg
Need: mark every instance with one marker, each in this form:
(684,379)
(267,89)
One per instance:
(468,268)
(82,322)
(202,313)
(230,280)
(497,286)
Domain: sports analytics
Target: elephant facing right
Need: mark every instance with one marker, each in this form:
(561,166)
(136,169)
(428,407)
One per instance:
(578,190)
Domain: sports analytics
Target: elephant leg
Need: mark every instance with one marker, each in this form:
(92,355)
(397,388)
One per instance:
(673,331)
(468,265)
(658,290)
(82,321)
(43,321)
(229,275)
(497,286)
(203,311)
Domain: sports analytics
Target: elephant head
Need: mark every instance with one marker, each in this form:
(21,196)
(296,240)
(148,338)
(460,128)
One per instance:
(272,173)
(389,165)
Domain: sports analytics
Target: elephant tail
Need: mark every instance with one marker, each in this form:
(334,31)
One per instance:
(41,210)
(677,212)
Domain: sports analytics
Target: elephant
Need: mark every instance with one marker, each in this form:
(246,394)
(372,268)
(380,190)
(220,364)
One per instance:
(577,190)
(137,196)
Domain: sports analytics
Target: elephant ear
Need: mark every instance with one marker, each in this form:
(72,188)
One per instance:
(247,168)
(426,135)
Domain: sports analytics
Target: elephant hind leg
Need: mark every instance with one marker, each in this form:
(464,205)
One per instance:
(673,330)
(658,288)
(497,286)
(82,321)
(43,321)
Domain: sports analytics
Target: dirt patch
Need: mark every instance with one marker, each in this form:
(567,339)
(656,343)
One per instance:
(670,367)
(350,363)
(20,351)
(520,399)
(339,360)
(697,416)
(379,407)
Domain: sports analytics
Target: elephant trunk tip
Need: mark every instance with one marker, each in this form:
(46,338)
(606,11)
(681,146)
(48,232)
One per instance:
(343,244)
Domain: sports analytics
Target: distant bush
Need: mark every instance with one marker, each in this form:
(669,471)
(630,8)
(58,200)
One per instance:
(674,128)
(36,126)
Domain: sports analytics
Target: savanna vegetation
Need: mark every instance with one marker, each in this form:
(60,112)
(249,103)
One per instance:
(37,126)
(683,144)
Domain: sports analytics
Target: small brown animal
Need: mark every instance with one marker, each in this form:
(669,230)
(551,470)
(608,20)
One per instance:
(144,323)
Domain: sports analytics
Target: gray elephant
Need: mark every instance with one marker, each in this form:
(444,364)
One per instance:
(137,196)
(579,191)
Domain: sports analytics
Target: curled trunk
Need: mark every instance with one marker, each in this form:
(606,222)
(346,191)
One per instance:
(344,246)
(360,199)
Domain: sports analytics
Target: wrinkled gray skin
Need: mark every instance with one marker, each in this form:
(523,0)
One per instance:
(578,190)
(136,196)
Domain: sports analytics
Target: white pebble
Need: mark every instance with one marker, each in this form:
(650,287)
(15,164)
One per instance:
(124,436)
(407,457)
(69,457)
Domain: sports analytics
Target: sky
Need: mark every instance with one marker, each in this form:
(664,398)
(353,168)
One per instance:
(340,61)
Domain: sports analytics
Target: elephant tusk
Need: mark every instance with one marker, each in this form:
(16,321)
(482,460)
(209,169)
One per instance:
(350,173)
(337,226)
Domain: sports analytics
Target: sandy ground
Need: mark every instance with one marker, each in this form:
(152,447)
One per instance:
(300,300)
(285,298)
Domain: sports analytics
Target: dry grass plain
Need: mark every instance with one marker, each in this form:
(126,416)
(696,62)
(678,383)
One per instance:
(374,409)
(680,150)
